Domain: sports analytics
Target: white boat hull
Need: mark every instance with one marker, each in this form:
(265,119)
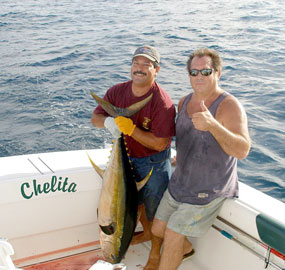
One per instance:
(48,205)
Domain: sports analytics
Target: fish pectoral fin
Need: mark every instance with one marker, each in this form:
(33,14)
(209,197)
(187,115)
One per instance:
(141,184)
(97,169)
(109,229)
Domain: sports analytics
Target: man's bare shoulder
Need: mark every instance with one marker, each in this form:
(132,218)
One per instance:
(230,103)
(230,109)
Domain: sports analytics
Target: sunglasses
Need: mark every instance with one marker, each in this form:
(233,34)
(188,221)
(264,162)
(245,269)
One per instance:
(204,72)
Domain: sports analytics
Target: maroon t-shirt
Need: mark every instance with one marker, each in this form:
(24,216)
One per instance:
(157,116)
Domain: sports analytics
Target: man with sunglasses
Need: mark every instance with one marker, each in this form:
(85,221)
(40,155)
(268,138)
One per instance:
(147,133)
(211,135)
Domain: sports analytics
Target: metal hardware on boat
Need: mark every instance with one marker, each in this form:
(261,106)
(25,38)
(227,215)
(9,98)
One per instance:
(267,259)
(40,165)
(258,242)
(46,165)
(35,166)
(231,237)
(239,230)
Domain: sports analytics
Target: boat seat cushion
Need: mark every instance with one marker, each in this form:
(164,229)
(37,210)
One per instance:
(271,232)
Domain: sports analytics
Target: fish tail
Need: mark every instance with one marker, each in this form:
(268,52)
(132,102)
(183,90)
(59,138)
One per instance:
(115,111)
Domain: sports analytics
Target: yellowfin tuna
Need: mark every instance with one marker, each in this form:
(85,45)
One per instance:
(118,203)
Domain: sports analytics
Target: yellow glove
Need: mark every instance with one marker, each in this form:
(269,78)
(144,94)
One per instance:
(125,125)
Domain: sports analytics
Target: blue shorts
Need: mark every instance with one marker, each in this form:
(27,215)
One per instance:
(151,194)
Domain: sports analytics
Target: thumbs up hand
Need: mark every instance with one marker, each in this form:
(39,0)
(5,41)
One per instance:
(203,120)
(203,106)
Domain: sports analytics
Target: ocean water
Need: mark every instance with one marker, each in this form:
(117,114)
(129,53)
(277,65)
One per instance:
(52,53)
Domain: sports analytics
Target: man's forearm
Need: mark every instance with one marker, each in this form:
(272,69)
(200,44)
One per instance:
(98,120)
(149,140)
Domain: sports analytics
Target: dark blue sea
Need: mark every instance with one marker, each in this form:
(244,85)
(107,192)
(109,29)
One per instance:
(52,53)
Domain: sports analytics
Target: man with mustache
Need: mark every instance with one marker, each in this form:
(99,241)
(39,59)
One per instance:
(148,133)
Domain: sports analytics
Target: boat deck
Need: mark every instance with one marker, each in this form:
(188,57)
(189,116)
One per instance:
(136,259)
(81,261)
(213,251)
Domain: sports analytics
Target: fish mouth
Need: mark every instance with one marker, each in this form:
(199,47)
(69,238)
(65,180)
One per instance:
(112,258)
(115,259)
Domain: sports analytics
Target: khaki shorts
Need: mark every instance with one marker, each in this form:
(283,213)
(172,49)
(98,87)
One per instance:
(188,219)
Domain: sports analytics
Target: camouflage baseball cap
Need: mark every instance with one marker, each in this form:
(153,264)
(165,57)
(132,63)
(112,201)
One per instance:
(149,52)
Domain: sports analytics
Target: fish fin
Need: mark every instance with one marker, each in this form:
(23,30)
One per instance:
(97,169)
(136,107)
(115,111)
(107,106)
(109,229)
(141,184)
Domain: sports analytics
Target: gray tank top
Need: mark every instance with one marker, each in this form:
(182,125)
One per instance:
(203,171)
